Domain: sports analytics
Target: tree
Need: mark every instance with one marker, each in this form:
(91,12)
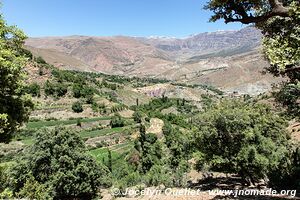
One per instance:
(49,88)
(137,116)
(149,149)
(109,160)
(279,22)
(288,96)
(14,105)
(137,101)
(77,90)
(58,165)
(77,107)
(34,89)
(61,89)
(239,11)
(177,143)
(236,137)
(117,121)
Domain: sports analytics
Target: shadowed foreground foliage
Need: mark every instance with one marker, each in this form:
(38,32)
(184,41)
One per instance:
(57,166)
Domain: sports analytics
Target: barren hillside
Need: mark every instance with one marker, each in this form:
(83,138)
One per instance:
(229,60)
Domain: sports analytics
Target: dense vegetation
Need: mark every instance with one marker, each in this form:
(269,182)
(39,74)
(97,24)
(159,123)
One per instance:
(14,105)
(243,138)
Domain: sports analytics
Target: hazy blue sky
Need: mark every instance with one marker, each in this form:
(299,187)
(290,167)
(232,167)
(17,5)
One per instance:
(111,17)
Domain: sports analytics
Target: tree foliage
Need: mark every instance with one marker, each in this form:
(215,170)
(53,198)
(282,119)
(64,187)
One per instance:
(58,166)
(14,105)
(77,107)
(149,149)
(34,89)
(117,121)
(237,137)
(137,116)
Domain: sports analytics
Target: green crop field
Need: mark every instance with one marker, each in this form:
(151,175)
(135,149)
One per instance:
(40,124)
(96,133)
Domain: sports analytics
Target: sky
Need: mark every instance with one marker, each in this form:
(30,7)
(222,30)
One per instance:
(173,18)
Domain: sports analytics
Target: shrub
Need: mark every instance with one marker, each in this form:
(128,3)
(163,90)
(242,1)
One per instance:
(61,89)
(117,121)
(40,60)
(78,122)
(49,88)
(77,107)
(34,89)
(90,99)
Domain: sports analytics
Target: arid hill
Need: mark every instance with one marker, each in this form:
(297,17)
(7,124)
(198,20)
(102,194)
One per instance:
(230,60)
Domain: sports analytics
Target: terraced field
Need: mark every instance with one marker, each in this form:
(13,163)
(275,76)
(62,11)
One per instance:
(100,134)
(41,124)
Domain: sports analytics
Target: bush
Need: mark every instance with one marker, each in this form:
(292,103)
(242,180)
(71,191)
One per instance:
(49,88)
(34,89)
(61,89)
(77,90)
(84,91)
(78,122)
(40,60)
(77,107)
(90,99)
(117,121)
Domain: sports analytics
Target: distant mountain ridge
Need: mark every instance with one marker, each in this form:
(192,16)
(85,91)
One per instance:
(205,43)
(196,59)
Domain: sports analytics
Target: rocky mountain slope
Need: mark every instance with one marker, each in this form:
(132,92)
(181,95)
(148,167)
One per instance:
(205,44)
(230,60)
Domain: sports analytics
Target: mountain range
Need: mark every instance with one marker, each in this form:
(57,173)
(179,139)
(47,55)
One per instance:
(229,60)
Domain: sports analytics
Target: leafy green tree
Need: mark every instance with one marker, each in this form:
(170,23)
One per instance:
(3,177)
(77,90)
(34,89)
(109,160)
(59,167)
(81,90)
(159,174)
(14,105)
(34,190)
(78,122)
(149,149)
(137,116)
(236,137)
(49,88)
(61,89)
(288,96)
(77,107)
(177,143)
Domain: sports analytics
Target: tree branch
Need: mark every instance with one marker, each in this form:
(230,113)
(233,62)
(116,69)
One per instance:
(277,9)
(292,69)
